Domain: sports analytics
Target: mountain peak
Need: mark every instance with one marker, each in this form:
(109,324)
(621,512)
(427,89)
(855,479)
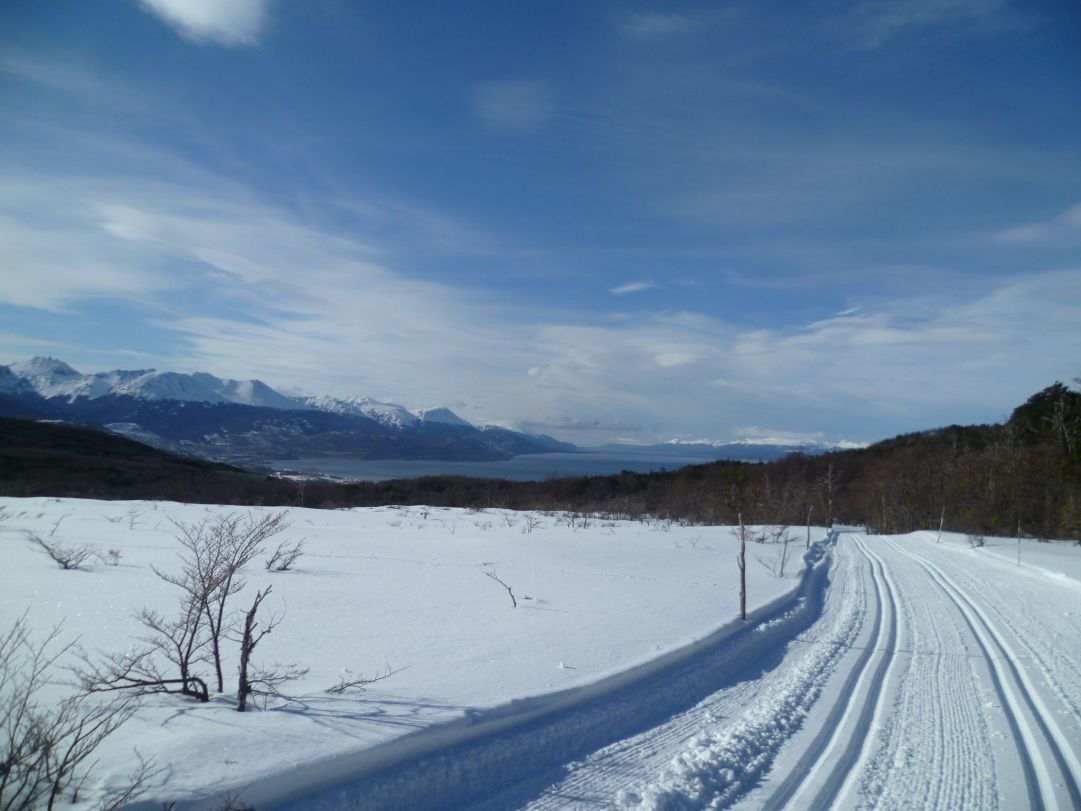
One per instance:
(42,366)
(441,415)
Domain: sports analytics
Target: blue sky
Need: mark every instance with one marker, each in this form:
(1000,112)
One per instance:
(597,220)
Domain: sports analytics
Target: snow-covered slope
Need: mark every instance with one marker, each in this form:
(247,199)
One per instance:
(50,377)
(440,415)
(391,414)
(12,384)
(205,388)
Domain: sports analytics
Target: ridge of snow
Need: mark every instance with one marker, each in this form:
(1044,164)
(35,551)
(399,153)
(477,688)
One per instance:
(441,415)
(205,388)
(51,377)
(11,383)
(48,376)
(392,414)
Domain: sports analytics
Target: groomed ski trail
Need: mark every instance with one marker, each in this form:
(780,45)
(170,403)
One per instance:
(1038,731)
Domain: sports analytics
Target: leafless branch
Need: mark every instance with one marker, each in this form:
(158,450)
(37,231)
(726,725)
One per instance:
(514,602)
(348,683)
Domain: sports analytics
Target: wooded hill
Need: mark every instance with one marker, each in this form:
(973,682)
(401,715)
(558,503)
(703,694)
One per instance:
(979,479)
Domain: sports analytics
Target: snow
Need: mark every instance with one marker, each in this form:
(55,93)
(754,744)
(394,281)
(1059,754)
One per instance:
(201,387)
(391,414)
(440,415)
(894,672)
(404,587)
(50,377)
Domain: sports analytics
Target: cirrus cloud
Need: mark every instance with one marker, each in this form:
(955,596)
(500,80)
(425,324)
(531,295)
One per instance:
(225,22)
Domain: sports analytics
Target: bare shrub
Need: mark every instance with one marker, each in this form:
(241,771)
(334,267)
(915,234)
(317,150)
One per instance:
(66,557)
(110,557)
(285,555)
(216,549)
(45,745)
(532,522)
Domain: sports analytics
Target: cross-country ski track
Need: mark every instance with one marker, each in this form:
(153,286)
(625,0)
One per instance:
(900,674)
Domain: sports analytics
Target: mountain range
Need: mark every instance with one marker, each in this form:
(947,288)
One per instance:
(248,422)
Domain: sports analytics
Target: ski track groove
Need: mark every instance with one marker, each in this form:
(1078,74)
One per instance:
(1059,654)
(934,746)
(1041,789)
(863,675)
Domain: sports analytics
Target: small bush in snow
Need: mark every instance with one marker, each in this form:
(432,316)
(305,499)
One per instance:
(46,744)
(66,557)
(285,556)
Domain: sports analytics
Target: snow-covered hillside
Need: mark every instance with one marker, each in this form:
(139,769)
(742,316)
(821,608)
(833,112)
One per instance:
(440,415)
(50,377)
(890,672)
(391,414)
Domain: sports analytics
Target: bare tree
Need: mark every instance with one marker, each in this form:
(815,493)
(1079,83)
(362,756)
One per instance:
(44,745)
(216,550)
(741,561)
(780,535)
(265,681)
(66,557)
(827,488)
(247,645)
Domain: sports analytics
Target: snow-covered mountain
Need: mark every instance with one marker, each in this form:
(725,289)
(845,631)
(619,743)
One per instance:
(205,388)
(246,420)
(51,378)
(392,414)
(441,416)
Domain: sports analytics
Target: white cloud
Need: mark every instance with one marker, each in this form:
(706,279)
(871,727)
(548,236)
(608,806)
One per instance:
(632,287)
(232,285)
(512,105)
(1066,225)
(654,24)
(226,22)
(875,22)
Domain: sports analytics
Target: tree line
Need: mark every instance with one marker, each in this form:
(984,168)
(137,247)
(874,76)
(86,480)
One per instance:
(1023,475)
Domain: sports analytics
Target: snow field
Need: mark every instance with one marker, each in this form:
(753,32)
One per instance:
(398,586)
(882,672)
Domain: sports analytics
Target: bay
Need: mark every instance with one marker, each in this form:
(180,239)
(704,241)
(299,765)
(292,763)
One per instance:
(525,468)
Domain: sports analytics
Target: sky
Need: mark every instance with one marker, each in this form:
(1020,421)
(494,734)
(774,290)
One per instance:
(602,221)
